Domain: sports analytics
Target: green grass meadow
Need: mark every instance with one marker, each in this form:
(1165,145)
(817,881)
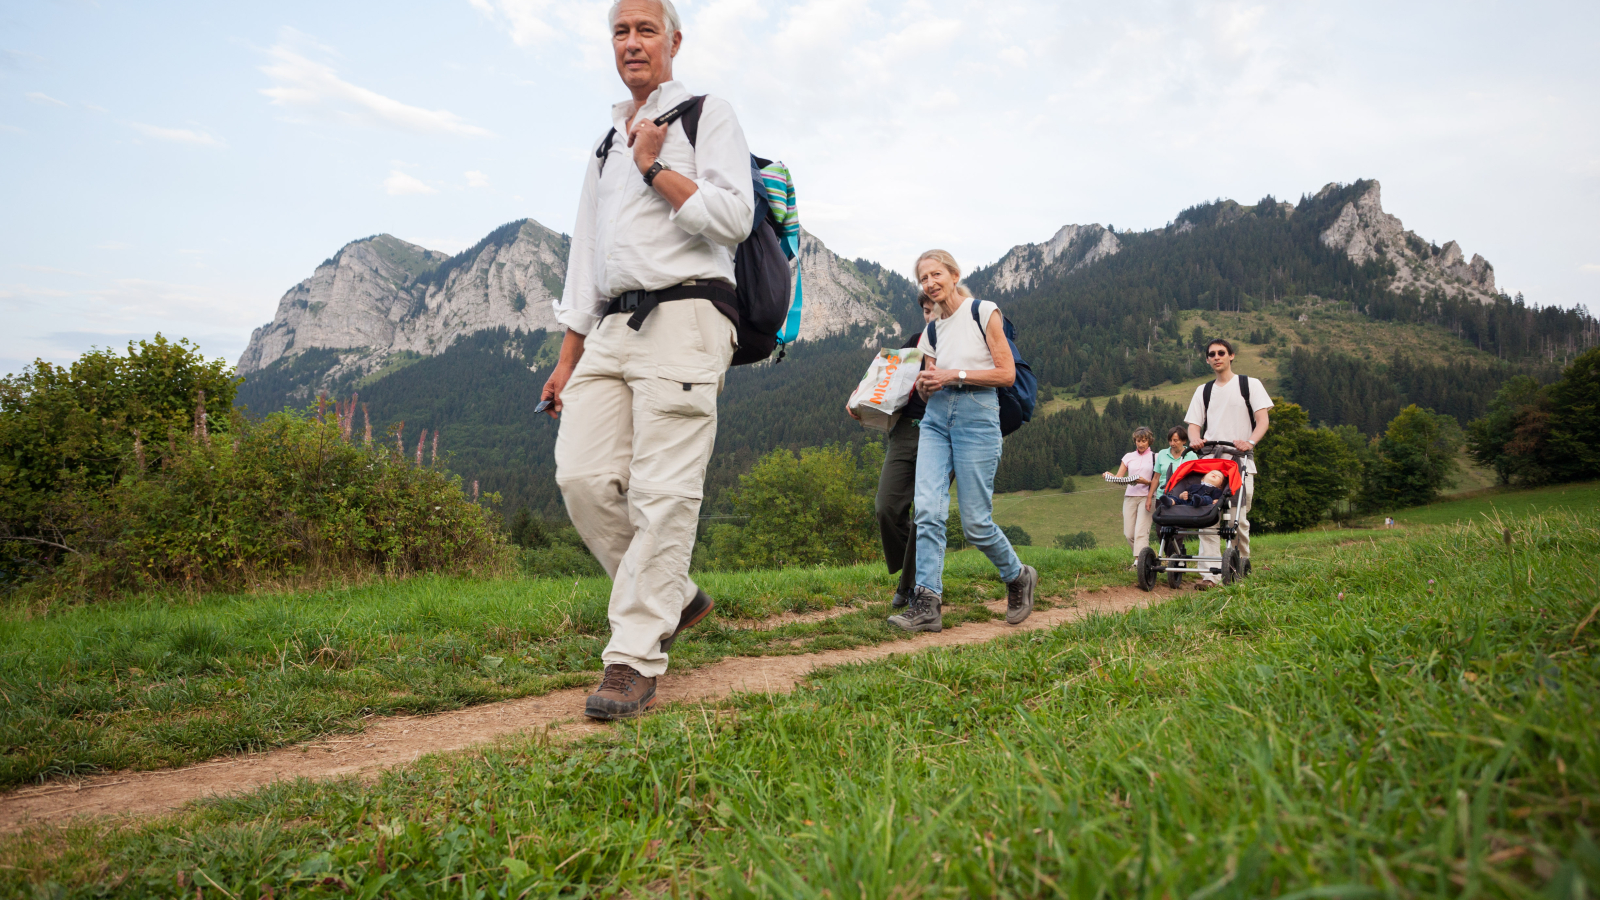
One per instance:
(157,681)
(1376,713)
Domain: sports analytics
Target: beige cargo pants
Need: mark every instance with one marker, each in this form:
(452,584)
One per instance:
(638,421)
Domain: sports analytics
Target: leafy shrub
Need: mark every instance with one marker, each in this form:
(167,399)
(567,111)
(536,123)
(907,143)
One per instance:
(563,554)
(68,431)
(1083,540)
(810,509)
(1305,473)
(1416,460)
(1016,535)
(1068,485)
(114,476)
(1543,434)
(286,497)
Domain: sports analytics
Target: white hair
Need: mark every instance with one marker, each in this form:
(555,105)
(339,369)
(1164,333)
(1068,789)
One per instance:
(668,12)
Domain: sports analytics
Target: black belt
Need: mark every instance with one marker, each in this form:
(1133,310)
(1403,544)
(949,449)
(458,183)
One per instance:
(641,303)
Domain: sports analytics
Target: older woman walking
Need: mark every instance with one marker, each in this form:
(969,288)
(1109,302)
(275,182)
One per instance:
(1136,512)
(960,433)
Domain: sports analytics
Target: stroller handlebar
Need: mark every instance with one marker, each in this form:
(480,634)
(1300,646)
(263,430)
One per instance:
(1226,447)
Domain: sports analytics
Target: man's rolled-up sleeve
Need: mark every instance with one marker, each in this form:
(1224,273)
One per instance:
(580,304)
(722,208)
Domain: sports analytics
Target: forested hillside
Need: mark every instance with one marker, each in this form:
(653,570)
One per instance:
(1117,322)
(1125,317)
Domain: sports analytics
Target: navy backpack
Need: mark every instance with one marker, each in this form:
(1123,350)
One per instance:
(1016,401)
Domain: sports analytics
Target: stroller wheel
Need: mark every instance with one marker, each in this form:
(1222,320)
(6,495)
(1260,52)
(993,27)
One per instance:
(1175,551)
(1147,569)
(1230,566)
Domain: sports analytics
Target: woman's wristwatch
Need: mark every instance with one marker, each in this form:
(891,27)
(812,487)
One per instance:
(961,377)
(656,168)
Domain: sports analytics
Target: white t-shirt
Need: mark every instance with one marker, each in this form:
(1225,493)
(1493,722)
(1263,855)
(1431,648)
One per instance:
(1229,420)
(961,344)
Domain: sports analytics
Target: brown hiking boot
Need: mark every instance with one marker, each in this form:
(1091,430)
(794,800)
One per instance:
(693,611)
(623,694)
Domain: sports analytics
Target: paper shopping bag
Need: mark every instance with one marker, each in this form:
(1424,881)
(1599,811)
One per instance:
(886,388)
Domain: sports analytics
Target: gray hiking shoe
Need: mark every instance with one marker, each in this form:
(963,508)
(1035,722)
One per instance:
(1019,596)
(923,615)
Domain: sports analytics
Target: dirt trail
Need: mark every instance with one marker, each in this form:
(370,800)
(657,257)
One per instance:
(395,741)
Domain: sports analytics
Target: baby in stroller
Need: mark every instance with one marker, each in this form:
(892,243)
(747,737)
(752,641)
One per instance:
(1210,490)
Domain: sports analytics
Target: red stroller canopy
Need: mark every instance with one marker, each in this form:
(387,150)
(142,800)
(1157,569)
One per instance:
(1228,467)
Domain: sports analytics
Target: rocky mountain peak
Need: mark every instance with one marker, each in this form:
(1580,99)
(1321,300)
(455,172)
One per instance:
(1023,266)
(381,298)
(1365,232)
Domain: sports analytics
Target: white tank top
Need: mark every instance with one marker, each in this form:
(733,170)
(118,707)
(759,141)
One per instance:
(962,345)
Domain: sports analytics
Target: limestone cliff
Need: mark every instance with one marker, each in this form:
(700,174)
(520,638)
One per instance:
(380,301)
(1365,232)
(1023,266)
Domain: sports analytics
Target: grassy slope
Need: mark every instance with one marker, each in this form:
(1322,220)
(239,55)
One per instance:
(154,682)
(1397,717)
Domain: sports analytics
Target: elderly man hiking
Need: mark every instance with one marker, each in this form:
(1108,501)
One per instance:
(658,220)
(1230,408)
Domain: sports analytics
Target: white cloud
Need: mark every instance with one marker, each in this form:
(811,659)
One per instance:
(53,271)
(304,84)
(44,99)
(12,129)
(399,184)
(1589,267)
(177,135)
(477,179)
(535,22)
(93,108)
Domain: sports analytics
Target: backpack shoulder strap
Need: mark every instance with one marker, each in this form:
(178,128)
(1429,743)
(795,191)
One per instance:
(691,117)
(604,149)
(1205,403)
(1244,392)
(933,335)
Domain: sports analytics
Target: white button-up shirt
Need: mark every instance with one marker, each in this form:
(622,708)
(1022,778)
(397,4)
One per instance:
(627,236)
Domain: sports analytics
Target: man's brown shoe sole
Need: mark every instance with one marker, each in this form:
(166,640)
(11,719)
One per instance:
(694,618)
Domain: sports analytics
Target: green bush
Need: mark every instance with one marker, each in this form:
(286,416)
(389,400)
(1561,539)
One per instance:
(810,509)
(71,431)
(287,497)
(1305,473)
(1068,485)
(1083,540)
(1415,460)
(1016,535)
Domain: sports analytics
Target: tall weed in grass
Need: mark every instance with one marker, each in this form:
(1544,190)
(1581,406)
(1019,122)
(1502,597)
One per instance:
(1384,720)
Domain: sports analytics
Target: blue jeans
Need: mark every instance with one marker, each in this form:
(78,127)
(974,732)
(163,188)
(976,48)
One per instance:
(960,433)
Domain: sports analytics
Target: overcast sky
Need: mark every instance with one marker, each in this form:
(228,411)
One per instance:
(176,166)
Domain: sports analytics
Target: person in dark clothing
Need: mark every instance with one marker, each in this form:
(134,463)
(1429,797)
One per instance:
(1208,491)
(896,486)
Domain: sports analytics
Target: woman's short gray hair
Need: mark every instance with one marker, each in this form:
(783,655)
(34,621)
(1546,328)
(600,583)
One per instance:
(668,12)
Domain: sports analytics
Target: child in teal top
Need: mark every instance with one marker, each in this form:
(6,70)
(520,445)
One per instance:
(1168,460)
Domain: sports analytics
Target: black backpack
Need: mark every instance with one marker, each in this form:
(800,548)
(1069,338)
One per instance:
(760,265)
(1016,401)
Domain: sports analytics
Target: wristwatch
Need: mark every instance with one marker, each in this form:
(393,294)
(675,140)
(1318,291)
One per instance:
(961,376)
(656,168)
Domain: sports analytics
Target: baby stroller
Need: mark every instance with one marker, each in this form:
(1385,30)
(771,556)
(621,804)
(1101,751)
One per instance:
(1180,522)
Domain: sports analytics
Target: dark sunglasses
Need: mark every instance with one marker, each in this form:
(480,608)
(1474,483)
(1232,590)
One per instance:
(1211,353)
